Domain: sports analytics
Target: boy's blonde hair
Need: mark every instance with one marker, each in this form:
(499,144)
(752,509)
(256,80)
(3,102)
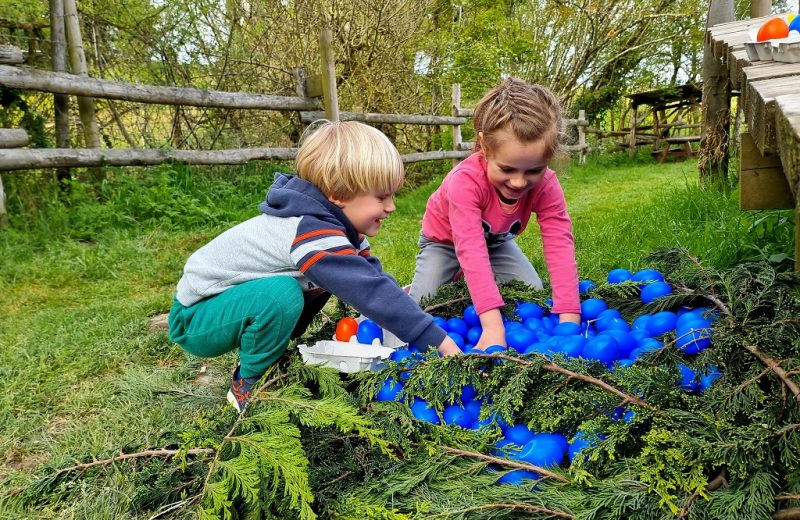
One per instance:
(530,112)
(348,158)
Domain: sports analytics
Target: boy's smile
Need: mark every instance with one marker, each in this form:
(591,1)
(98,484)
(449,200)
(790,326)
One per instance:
(367,211)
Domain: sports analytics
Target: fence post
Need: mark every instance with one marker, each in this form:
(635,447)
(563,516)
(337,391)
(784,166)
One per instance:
(759,8)
(634,122)
(329,96)
(58,40)
(78,59)
(455,111)
(582,136)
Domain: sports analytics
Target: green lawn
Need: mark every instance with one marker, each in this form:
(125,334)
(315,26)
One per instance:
(83,377)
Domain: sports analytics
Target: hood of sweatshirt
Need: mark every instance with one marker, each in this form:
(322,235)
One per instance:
(291,196)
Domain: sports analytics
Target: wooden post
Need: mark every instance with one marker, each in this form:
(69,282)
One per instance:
(713,164)
(634,122)
(77,59)
(582,136)
(328,67)
(455,108)
(759,8)
(58,41)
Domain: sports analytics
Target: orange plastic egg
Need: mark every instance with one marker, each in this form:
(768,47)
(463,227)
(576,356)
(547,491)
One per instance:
(346,328)
(773,28)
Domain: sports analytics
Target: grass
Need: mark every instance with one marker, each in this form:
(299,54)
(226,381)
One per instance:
(83,377)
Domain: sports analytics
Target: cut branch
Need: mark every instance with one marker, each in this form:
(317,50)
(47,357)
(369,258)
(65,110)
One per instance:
(146,454)
(513,507)
(773,365)
(552,367)
(506,462)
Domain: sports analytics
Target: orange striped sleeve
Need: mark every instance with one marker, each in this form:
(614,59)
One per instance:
(315,233)
(319,256)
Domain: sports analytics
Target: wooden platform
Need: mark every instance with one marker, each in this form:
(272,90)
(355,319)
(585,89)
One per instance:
(770,100)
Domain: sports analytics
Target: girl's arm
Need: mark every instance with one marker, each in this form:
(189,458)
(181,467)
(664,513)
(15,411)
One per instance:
(494,331)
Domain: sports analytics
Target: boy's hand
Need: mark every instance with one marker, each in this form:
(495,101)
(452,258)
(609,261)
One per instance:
(448,347)
(494,332)
(569,316)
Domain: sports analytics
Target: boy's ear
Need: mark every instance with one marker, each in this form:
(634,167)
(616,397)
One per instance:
(336,201)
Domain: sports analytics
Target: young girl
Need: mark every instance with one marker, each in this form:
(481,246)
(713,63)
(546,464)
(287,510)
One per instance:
(471,221)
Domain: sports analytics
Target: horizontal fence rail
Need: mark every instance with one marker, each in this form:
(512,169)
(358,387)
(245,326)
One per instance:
(64,83)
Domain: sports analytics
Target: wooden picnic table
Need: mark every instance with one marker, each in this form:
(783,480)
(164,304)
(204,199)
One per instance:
(770,101)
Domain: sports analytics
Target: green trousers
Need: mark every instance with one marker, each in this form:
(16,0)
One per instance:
(258,317)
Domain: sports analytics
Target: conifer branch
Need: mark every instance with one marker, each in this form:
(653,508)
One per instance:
(775,367)
(552,367)
(506,462)
(786,430)
(514,507)
(146,454)
(751,381)
(787,497)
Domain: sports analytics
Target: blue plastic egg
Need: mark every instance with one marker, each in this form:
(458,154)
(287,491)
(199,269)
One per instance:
(647,275)
(474,334)
(471,317)
(440,322)
(581,441)
(518,434)
(694,336)
(544,449)
(661,323)
(640,323)
(609,313)
(495,349)
(458,326)
(572,346)
(458,339)
(654,291)
(619,275)
(611,323)
(473,408)
(455,414)
(519,339)
(368,331)
(527,310)
(795,25)
(625,341)
(518,476)
(687,379)
(391,390)
(400,354)
(534,324)
(423,411)
(592,307)
(566,328)
(707,379)
(603,349)
(585,286)
(468,393)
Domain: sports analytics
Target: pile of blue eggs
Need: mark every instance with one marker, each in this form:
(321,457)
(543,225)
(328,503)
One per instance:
(603,336)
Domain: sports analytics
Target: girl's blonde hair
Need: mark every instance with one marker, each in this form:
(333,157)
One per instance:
(530,112)
(348,158)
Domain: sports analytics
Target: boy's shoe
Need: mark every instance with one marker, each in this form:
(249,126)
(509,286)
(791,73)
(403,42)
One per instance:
(241,390)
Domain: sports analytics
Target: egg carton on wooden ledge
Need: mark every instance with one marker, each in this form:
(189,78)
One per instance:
(785,50)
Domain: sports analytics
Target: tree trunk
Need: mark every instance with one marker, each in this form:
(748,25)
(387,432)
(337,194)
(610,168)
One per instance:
(713,164)
(759,8)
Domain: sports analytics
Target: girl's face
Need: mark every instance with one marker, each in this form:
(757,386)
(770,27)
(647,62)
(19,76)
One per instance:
(366,211)
(514,167)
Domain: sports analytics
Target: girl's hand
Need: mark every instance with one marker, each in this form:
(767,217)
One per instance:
(494,332)
(448,347)
(569,317)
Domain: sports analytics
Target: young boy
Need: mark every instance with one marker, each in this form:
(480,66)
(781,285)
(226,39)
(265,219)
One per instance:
(260,283)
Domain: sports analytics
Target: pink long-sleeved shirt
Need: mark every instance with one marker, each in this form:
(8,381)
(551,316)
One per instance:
(466,212)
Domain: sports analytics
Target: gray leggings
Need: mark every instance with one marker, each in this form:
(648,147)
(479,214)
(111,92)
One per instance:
(437,264)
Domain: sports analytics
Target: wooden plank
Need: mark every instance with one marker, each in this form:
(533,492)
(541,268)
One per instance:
(36,158)
(788,135)
(63,83)
(768,70)
(13,138)
(328,67)
(11,55)
(762,184)
(376,118)
(737,60)
(434,156)
(761,107)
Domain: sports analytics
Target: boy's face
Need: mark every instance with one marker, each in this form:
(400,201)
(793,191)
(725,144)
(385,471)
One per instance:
(366,211)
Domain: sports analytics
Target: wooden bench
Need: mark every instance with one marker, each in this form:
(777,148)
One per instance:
(683,150)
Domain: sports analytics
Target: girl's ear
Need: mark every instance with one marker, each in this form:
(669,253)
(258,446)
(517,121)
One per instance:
(480,140)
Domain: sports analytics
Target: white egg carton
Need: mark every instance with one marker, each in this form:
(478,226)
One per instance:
(351,356)
(780,49)
(347,357)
